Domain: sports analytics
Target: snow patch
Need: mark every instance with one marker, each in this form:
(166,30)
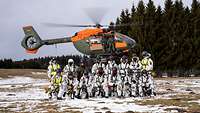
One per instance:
(38,73)
(103,105)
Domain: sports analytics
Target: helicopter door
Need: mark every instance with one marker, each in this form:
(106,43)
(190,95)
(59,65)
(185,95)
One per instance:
(95,43)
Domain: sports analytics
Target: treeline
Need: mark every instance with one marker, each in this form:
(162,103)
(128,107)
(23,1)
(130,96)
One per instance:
(38,63)
(171,34)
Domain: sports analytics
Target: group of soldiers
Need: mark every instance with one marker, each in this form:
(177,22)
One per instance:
(105,79)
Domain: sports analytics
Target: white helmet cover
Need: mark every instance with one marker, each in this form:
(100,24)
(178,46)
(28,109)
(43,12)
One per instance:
(70,61)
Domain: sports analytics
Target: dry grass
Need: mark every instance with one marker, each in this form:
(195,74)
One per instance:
(182,101)
(5,73)
(176,78)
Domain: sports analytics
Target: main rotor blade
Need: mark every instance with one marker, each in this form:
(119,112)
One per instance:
(66,25)
(96,14)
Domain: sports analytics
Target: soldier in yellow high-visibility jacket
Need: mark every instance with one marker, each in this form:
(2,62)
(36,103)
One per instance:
(147,62)
(55,84)
(147,68)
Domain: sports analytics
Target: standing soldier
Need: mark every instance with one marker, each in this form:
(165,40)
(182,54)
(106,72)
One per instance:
(111,44)
(123,73)
(111,72)
(55,85)
(53,70)
(147,68)
(97,65)
(70,83)
(111,64)
(135,67)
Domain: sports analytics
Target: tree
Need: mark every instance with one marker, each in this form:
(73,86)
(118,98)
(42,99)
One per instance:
(137,27)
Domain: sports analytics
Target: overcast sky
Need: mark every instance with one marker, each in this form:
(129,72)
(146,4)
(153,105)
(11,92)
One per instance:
(18,13)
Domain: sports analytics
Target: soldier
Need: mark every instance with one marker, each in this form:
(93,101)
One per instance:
(83,78)
(147,68)
(55,85)
(114,82)
(135,68)
(110,65)
(101,83)
(70,80)
(84,86)
(111,44)
(97,65)
(123,73)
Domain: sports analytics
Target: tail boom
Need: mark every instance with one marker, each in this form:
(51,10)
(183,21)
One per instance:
(32,41)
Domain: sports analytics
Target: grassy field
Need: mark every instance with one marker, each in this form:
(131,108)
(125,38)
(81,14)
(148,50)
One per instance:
(173,95)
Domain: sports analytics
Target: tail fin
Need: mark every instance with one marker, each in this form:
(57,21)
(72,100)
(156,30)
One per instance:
(32,41)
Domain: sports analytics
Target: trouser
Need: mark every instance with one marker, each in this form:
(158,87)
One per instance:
(119,90)
(133,89)
(83,92)
(63,90)
(100,90)
(53,90)
(150,82)
(106,90)
(112,90)
(76,88)
(140,86)
(89,89)
(126,89)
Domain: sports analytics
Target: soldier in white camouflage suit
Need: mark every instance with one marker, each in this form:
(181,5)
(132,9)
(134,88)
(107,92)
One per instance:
(135,69)
(97,64)
(123,70)
(111,73)
(100,83)
(70,82)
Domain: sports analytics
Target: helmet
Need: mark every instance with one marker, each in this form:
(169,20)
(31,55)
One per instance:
(135,58)
(146,54)
(54,61)
(124,59)
(50,62)
(70,61)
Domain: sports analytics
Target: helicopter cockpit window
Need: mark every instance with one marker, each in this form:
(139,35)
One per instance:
(95,43)
(95,40)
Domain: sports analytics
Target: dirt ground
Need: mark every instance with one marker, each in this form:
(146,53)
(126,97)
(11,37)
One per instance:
(22,90)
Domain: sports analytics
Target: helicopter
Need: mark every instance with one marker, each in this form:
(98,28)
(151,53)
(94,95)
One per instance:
(94,40)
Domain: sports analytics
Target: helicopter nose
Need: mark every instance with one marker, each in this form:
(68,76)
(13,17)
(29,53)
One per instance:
(131,42)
